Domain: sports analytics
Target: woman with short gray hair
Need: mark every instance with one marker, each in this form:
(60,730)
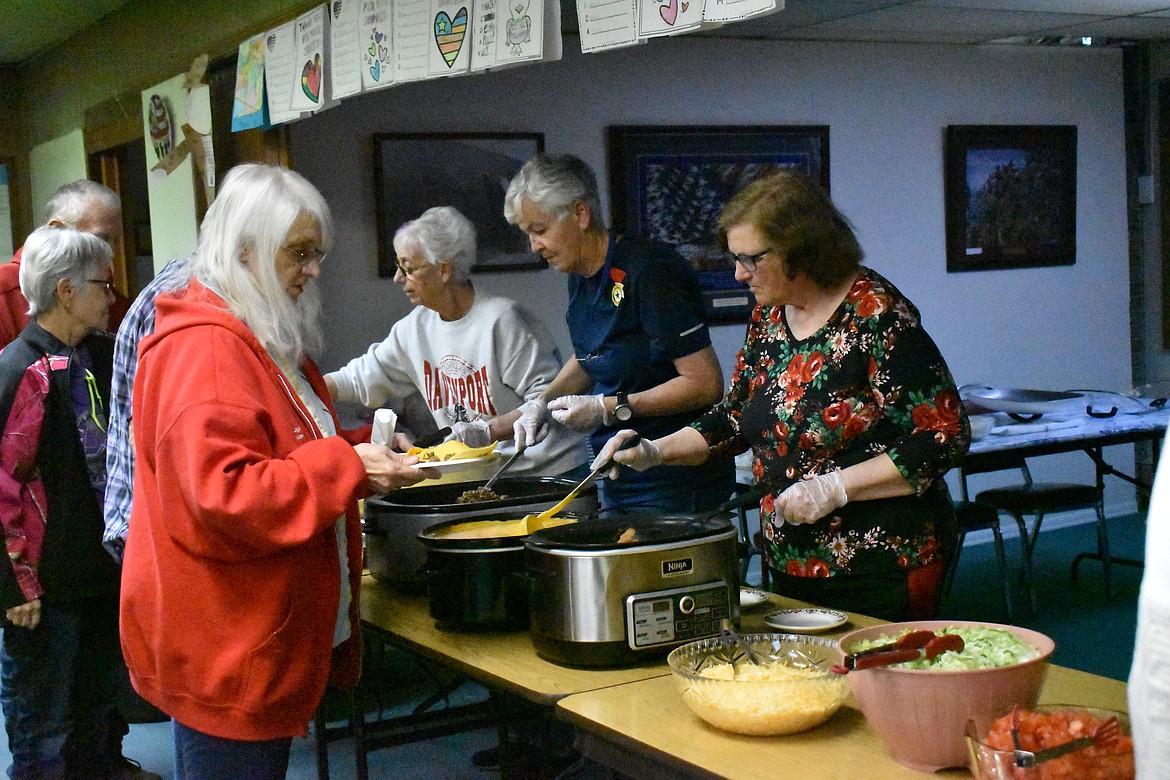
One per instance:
(472,358)
(60,656)
(643,356)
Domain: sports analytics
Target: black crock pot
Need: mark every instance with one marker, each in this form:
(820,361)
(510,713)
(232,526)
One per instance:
(471,583)
(393,521)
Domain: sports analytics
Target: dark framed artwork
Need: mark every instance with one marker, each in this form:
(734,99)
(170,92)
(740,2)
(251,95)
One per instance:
(671,183)
(1011,196)
(469,171)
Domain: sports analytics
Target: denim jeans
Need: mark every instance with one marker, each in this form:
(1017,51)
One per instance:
(57,688)
(669,489)
(200,756)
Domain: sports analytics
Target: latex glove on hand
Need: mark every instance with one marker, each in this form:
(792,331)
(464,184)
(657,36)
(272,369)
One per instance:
(811,499)
(532,425)
(581,413)
(643,455)
(473,434)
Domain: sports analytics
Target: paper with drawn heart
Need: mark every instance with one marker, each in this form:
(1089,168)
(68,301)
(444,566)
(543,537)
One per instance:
(309,61)
(450,51)
(345,61)
(375,27)
(279,56)
(668,17)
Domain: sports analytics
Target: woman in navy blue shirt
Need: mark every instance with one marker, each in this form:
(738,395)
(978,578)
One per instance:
(642,355)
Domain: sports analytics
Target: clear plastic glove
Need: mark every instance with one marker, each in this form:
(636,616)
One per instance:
(474,434)
(643,455)
(581,413)
(532,425)
(811,499)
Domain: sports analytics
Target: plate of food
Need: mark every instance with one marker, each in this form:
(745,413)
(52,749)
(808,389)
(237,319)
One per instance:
(751,597)
(806,621)
(455,464)
(453,455)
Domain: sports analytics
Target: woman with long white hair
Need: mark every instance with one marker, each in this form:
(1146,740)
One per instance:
(243,560)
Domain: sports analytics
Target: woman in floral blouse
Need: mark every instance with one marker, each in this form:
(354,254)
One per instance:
(848,407)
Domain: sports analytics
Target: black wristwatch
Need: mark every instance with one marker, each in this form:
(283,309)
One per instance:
(622,412)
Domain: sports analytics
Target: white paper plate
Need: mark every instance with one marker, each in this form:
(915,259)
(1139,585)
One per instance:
(806,621)
(455,464)
(750,597)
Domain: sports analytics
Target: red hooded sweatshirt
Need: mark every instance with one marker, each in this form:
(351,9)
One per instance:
(231,581)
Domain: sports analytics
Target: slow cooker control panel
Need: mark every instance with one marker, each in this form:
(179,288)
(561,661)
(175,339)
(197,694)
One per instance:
(678,615)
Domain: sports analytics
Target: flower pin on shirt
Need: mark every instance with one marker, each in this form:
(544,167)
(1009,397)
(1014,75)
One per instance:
(618,292)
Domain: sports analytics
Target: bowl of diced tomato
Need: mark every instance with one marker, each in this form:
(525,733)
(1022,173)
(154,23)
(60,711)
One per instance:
(1056,742)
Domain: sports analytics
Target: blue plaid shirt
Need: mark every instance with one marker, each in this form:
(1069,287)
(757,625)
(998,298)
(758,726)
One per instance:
(137,324)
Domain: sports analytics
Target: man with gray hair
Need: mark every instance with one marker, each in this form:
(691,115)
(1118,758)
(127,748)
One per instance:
(82,205)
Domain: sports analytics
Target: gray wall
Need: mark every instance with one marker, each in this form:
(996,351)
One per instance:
(886,105)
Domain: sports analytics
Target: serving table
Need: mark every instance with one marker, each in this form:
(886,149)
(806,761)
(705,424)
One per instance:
(502,661)
(645,730)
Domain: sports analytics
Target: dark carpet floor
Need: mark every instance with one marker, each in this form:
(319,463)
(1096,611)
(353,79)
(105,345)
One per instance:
(1092,633)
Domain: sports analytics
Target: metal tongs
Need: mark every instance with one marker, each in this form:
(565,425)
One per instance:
(729,638)
(1106,734)
(908,647)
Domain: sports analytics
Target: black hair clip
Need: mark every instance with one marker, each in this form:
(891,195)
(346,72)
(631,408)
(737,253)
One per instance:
(1100,415)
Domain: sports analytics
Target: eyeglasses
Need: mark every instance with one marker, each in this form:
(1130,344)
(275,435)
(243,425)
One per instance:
(104,283)
(407,270)
(747,261)
(304,258)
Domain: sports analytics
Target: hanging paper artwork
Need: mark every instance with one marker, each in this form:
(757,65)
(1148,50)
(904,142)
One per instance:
(160,121)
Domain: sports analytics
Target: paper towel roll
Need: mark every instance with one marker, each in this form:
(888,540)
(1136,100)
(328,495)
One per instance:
(384,422)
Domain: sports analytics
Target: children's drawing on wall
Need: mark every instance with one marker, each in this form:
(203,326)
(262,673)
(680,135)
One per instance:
(160,120)
(248,106)
(377,65)
(521,31)
(519,26)
(309,48)
(450,32)
(668,17)
(483,34)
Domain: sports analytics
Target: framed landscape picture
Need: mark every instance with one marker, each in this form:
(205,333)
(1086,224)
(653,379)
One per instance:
(671,183)
(469,171)
(1011,196)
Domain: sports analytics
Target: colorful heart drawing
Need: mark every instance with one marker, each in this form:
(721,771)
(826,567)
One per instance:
(373,49)
(376,70)
(449,34)
(669,12)
(311,79)
(683,7)
(378,36)
(383,53)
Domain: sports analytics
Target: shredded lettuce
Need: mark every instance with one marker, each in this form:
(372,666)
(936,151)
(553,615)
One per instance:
(983,648)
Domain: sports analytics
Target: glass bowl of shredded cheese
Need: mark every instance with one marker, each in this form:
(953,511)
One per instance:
(791,688)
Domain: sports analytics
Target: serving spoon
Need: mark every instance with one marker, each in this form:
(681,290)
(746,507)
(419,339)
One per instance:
(536,522)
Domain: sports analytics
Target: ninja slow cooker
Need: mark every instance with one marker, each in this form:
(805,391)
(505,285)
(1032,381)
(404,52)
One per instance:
(611,592)
(394,520)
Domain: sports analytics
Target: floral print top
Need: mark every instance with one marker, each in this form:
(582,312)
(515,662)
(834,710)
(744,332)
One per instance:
(870,381)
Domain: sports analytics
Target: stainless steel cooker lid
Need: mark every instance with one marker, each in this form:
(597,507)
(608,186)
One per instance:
(442,498)
(628,531)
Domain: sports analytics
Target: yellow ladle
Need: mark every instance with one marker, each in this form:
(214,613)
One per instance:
(535,523)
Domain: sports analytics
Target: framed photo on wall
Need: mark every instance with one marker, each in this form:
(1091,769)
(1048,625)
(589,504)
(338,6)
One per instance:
(468,171)
(671,183)
(1011,196)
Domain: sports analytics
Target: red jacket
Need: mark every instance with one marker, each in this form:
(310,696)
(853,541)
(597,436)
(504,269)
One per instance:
(13,306)
(230,585)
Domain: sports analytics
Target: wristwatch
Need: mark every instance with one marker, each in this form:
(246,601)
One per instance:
(622,412)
